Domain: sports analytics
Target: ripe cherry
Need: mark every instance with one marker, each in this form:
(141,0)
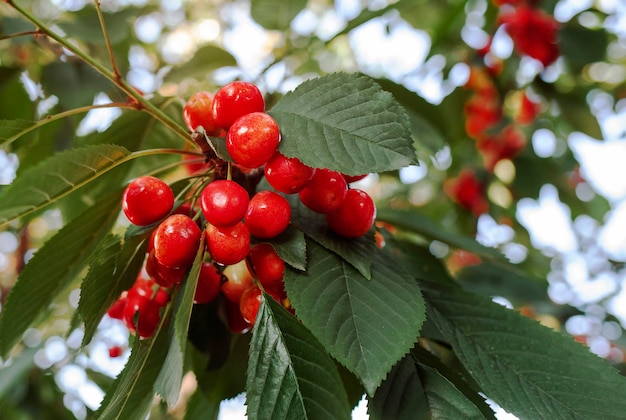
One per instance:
(209,282)
(142,315)
(198,111)
(238,280)
(115,351)
(116,311)
(176,241)
(325,192)
(224,203)
(162,275)
(267,266)
(268,214)
(353,178)
(236,323)
(250,303)
(234,100)
(287,175)
(147,200)
(252,139)
(228,245)
(355,216)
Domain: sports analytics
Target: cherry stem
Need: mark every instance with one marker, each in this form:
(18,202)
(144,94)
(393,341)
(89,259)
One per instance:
(18,34)
(107,40)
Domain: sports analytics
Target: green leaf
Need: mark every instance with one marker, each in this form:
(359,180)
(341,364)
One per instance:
(291,247)
(367,325)
(344,122)
(417,222)
(13,129)
(131,394)
(113,269)
(284,352)
(416,391)
(206,59)
(356,251)
(52,268)
(56,177)
(581,46)
(276,14)
(85,25)
(528,369)
(74,82)
(169,381)
(15,373)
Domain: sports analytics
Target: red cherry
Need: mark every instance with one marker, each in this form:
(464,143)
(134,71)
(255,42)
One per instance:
(268,214)
(287,175)
(224,203)
(250,303)
(176,241)
(115,351)
(236,323)
(162,275)
(353,178)
(142,315)
(143,287)
(234,100)
(198,111)
(116,311)
(355,216)
(252,139)
(238,280)
(325,192)
(209,282)
(147,200)
(267,266)
(228,245)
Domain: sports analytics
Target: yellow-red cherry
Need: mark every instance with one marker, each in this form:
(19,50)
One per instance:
(250,303)
(252,139)
(287,175)
(227,245)
(176,241)
(238,280)
(198,111)
(268,214)
(147,200)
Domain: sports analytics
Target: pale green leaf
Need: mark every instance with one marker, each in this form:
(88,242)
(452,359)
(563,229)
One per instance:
(206,59)
(528,369)
(367,325)
(290,375)
(57,177)
(11,130)
(276,14)
(344,122)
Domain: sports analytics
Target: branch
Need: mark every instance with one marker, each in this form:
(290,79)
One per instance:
(107,40)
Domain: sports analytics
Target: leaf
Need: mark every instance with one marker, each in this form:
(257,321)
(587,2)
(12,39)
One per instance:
(85,25)
(416,391)
(15,373)
(419,223)
(344,122)
(169,381)
(131,394)
(276,14)
(13,129)
(56,177)
(581,46)
(367,325)
(356,251)
(290,375)
(291,247)
(528,369)
(205,59)
(52,268)
(113,269)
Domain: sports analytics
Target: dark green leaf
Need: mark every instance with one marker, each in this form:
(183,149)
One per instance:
(291,247)
(75,83)
(169,381)
(85,25)
(284,352)
(581,46)
(205,60)
(52,268)
(56,177)
(276,14)
(528,369)
(367,325)
(344,122)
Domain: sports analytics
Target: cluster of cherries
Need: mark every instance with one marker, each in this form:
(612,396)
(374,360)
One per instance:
(239,263)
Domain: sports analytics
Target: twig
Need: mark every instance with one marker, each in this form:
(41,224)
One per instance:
(107,40)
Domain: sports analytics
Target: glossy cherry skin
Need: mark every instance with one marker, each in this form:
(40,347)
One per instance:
(236,323)
(252,139)
(176,241)
(268,214)
(147,200)
(224,203)
(228,245)
(287,175)
(355,216)
(234,100)
(250,303)
(325,192)
(116,310)
(142,315)
(267,266)
(209,282)
(238,280)
(198,111)
(162,275)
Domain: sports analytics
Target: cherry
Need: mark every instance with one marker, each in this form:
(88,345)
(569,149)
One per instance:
(115,351)
(146,200)
(142,315)
(141,287)
(234,100)
(250,303)
(209,282)
(353,178)
(198,111)
(228,245)
(176,241)
(224,203)
(268,214)
(355,216)
(252,139)
(267,266)
(116,311)
(161,274)
(325,192)
(236,323)
(238,280)
(287,175)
